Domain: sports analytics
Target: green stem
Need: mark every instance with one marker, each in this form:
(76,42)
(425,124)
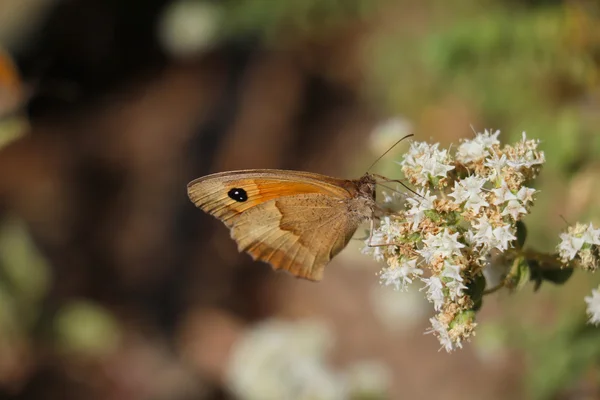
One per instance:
(494,289)
(545,261)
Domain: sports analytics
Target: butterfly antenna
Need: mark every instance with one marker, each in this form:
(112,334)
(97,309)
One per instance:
(387,151)
(400,182)
(392,189)
(564,219)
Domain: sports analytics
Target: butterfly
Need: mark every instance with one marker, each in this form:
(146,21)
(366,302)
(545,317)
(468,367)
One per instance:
(296,221)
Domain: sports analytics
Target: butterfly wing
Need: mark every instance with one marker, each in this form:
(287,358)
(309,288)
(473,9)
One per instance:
(293,220)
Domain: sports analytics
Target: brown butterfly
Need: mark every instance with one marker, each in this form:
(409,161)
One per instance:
(295,221)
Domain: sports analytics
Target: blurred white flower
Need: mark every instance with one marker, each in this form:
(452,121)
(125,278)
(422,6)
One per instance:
(283,360)
(387,133)
(368,380)
(189,27)
(593,307)
(277,360)
(398,310)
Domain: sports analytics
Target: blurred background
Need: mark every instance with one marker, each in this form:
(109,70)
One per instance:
(114,286)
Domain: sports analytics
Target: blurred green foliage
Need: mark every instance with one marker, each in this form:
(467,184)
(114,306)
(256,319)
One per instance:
(79,327)
(568,351)
(82,327)
(300,18)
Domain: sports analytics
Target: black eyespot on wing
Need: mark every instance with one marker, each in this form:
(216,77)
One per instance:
(238,194)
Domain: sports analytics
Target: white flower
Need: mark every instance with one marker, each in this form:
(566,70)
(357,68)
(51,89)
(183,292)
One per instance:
(454,285)
(441,245)
(388,228)
(489,237)
(488,138)
(441,331)
(455,289)
(452,271)
(418,206)
(423,161)
(470,189)
(473,184)
(528,156)
(416,151)
(525,195)
(485,232)
(569,246)
(459,193)
(593,307)
(591,235)
(475,203)
(496,164)
(477,148)
(503,235)
(436,166)
(514,209)
(435,291)
(575,238)
(470,150)
(400,276)
(503,194)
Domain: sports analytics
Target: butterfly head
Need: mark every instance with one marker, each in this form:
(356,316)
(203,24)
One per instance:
(367,185)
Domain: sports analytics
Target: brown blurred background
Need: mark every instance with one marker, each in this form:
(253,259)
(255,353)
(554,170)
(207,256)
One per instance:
(114,286)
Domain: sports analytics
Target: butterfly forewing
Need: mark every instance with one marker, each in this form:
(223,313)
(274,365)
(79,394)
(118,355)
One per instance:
(296,221)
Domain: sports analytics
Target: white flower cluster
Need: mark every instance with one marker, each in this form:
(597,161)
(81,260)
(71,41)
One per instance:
(465,206)
(286,360)
(579,246)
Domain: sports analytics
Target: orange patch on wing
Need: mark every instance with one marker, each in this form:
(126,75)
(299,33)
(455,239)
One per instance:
(263,190)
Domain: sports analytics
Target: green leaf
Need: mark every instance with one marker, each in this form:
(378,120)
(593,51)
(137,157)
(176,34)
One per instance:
(475,290)
(463,318)
(557,276)
(550,271)
(519,275)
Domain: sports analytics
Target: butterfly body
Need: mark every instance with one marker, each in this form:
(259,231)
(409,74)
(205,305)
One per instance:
(296,221)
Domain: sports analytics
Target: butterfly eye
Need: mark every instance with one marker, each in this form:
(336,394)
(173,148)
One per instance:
(238,194)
